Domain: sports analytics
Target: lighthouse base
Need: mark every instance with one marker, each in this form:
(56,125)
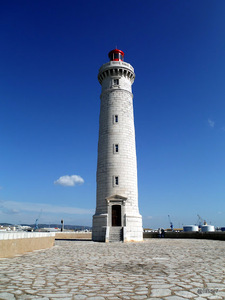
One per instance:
(99,227)
(130,231)
(133,231)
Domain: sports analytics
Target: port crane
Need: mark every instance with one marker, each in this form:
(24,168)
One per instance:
(171,223)
(36,221)
(201,222)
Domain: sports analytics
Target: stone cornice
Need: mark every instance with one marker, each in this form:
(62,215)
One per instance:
(116,69)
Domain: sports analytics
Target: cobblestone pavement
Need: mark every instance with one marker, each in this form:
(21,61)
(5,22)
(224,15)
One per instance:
(168,269)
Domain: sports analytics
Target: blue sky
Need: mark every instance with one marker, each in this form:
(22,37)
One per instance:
(49,107)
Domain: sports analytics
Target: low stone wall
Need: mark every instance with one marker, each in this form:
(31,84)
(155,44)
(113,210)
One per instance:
(216,235)
(17,243)
(73,236)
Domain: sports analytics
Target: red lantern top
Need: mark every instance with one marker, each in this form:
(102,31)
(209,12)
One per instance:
(116,55)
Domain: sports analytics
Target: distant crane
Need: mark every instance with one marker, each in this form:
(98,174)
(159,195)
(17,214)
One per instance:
(36,221)
(201,222)
(171,224)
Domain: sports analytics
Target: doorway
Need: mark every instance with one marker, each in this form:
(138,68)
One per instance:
(116,215)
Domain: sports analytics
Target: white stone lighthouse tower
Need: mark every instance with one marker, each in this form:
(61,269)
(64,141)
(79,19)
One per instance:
(117,216)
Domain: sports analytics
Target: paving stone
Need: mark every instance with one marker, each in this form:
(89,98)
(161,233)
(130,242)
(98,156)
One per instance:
(174,298)
(68,298)
(80,297)
(7,296)
(185,294)
(152,298)
(215,297)
(29,291)
(176,288)
(222,294)
(215,285)
(57,295)
(141,293)
(96,298)
(138,297)
(161,286)
(160,292)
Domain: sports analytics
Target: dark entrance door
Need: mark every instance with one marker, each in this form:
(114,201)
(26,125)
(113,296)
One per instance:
(116,215)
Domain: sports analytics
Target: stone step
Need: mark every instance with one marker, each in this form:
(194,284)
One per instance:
(115,234)
(115,228)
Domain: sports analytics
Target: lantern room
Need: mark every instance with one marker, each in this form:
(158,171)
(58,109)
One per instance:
(116,55)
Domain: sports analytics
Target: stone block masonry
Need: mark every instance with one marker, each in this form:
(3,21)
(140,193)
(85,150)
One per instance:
(117,192)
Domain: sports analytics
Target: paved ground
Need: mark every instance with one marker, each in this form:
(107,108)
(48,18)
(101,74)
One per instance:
(168,269)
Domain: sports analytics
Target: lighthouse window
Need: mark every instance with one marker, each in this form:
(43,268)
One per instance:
(116,180)
(115,119)
(116,81)
(118,56)
(116,148)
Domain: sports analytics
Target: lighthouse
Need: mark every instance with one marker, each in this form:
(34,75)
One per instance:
(117,216)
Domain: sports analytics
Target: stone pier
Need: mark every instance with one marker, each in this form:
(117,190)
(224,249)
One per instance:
(170,269)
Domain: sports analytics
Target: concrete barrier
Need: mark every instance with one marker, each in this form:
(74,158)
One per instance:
(73,236)
(217,235)
(17,243)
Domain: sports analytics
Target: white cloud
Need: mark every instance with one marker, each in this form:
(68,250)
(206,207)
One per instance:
(25,212)
(67,180)
(8,210)
(18,207)
(211,123)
